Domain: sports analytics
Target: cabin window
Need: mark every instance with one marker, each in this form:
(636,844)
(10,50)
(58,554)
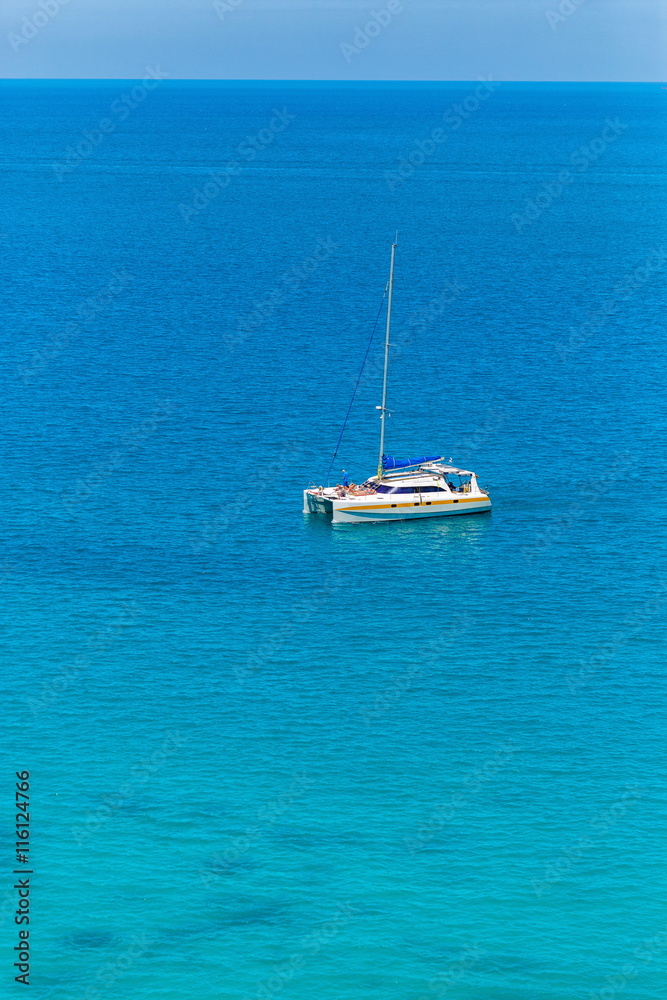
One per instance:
(458,483)
(409,489)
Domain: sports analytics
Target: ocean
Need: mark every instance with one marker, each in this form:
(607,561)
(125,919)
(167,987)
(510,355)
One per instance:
(274,758)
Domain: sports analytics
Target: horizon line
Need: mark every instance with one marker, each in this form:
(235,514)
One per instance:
(298,80)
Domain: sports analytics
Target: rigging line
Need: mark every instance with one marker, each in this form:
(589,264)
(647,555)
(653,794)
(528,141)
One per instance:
(361,371)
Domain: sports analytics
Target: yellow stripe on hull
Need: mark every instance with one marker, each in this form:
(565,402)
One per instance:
(430,503)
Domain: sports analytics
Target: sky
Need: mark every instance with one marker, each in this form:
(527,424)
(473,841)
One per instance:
(558,40)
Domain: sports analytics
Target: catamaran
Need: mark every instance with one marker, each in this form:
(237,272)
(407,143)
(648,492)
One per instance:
(402,489)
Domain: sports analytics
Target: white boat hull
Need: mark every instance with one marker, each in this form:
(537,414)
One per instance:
(355,510)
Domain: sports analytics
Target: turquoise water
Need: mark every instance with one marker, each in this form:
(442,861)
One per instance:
(273,758)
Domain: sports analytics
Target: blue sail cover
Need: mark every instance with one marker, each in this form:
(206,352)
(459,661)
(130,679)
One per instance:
(389,462)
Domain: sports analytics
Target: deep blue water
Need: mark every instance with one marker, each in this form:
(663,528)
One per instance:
(390,762)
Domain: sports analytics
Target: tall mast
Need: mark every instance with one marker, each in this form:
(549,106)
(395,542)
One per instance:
(383,408)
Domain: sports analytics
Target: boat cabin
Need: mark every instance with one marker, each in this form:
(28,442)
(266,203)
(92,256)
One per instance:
(431,478)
